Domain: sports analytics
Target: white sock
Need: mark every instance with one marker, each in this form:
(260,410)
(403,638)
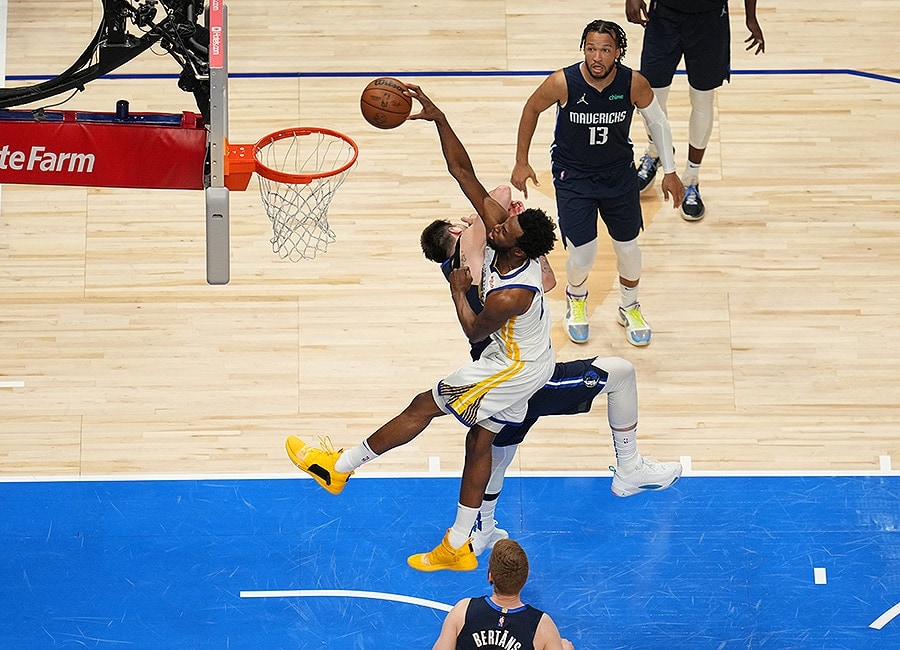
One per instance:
(486,513)
(353,458)
(691,173)
(629,295)
(651,150)
(462,527)
(625,444)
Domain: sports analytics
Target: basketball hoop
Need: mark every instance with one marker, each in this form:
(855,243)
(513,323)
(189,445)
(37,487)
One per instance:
(299,171)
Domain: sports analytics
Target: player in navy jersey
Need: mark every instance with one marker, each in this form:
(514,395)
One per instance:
(593,168)
(697,31)
(501,620)
(571,390)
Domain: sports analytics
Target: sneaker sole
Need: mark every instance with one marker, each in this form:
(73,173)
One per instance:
(430,568)
(689,217)
(637,344)
(577,340)
(631,491)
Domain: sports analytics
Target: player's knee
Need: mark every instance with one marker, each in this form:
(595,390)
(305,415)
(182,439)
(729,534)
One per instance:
(620,371)
(701,120)
(628,259)
(580,260)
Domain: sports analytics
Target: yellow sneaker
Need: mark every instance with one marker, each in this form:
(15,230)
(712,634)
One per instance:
(318,462)
(445,556)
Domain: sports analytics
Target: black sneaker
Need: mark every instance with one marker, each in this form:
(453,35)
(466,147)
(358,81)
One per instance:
(692,206)
(646,171)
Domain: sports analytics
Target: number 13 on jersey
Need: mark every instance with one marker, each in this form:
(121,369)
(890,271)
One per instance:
(599,134)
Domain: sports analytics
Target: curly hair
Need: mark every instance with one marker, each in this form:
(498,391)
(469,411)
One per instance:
(537,237)
(436,240)
(607,27)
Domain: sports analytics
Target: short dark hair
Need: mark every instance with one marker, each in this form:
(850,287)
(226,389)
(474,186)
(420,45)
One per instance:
(508,565)
(436,240)
(607,27)
(537,237)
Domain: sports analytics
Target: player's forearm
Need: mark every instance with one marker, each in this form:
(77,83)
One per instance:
(527,126)
(465,315)
(458,162)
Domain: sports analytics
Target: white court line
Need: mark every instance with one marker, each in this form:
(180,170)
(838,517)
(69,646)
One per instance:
(12,384)
(885,618)
(296,475)
(344,593)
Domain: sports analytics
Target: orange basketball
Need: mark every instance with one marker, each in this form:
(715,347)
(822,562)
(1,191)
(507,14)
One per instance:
(383,103)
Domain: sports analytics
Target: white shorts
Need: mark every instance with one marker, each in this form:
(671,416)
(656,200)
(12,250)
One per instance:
(493,391)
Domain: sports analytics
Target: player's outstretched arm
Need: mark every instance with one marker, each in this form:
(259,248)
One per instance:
(458,162)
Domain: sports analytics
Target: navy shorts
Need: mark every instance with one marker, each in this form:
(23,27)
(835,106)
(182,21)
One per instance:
(702,39)
(571,390)
(579,201)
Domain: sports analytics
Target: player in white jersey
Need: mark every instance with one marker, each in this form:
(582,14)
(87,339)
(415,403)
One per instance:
(487,394)
(496,387)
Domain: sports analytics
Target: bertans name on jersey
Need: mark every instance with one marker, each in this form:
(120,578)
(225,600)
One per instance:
(598,118)
(496,639)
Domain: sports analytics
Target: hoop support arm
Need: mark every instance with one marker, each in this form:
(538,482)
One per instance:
(239,166)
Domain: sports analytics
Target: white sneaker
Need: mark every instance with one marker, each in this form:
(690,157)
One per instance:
(649,475)
(482,541)
(576,322)
(637,329)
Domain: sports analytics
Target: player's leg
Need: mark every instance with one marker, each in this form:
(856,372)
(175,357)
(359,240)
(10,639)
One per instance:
(486,533)
(707,60)
(633,473)
(331,468)
(578,227)
(498,402)
(455,552)
(623,219)
(660,55)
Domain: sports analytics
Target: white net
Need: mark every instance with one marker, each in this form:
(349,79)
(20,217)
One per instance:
(299,210)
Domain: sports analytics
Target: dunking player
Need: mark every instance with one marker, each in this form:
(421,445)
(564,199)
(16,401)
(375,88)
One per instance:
(593,168)
(487,393)
(571,389)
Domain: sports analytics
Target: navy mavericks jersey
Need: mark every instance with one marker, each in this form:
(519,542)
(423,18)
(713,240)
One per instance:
(592,129)
(488,626)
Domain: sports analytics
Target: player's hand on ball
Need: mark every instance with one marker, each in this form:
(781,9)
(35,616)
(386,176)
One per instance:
(429,110)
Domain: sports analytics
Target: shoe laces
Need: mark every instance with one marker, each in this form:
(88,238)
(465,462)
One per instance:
(578,306)
(647,164)
(326,444)
(633,313)
(649,465)
(691,194)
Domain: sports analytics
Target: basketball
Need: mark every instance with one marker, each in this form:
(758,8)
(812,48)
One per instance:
(383,103)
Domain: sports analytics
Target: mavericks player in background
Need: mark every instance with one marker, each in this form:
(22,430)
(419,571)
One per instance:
(699,32)
(593,168)
(571,390)
(501,620)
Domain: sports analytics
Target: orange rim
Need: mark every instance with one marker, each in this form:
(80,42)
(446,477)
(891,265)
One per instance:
(300,179)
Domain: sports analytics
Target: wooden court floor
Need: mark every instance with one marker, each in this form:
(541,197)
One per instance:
(775,345)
